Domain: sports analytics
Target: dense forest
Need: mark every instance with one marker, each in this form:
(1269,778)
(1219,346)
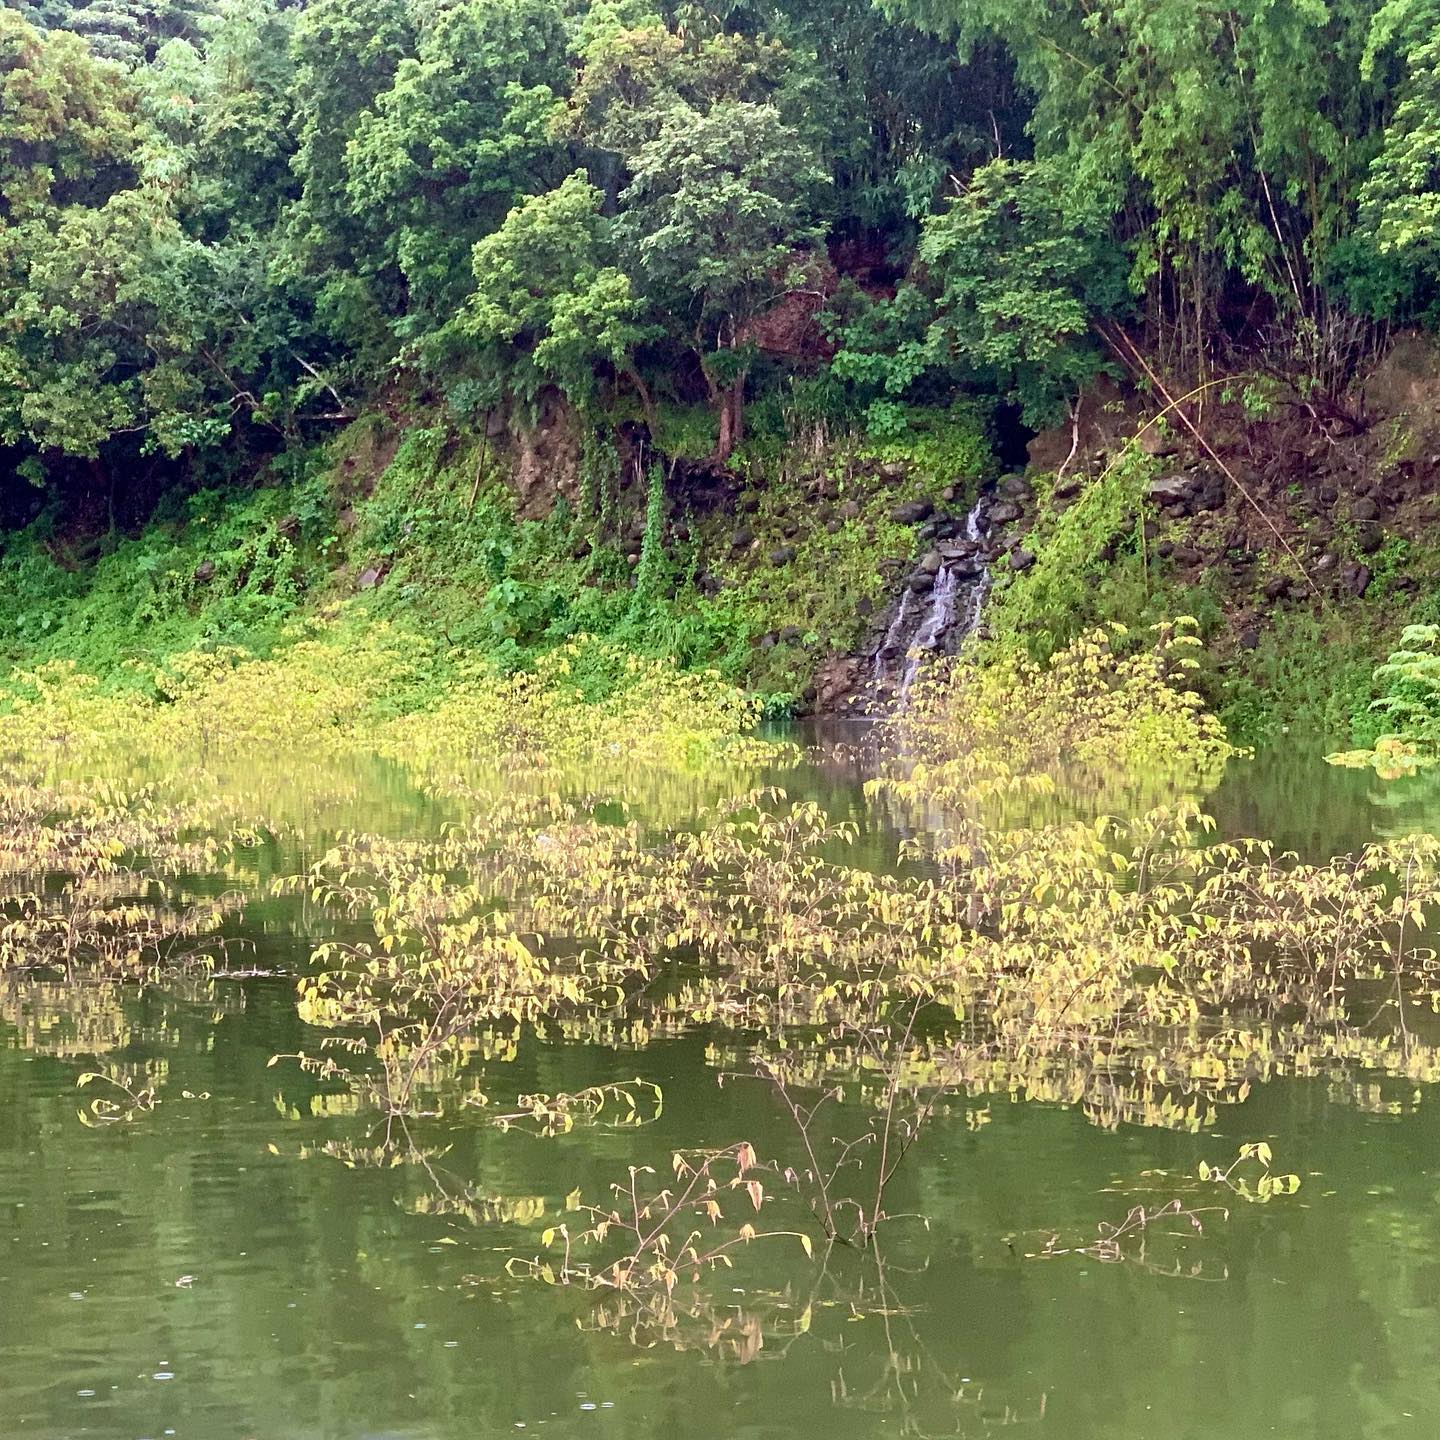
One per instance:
(233,227)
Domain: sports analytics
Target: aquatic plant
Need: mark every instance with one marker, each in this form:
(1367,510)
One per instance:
(1132,969)
(88,885)
(383,691)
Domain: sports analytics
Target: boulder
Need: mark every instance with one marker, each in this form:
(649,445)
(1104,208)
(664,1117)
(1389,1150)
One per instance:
(1021,560)
(368,579)
(912,512)
(931,562)
(1355,578)
(782,555)
(835,680)
(1016,487)
(921,582)
(1369,538)
(205,572)
(1211,493)
(1365,510)
(1172,490)
(1066,487)
(1005,513)
(849,510)
(743,538)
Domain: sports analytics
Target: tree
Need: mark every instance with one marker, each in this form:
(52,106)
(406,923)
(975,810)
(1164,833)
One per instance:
(1399,202)
(715,216)
(548,302)
(1229,138)
(130,31)
(716,208)
(346,54)
(461,135)
(1019,264)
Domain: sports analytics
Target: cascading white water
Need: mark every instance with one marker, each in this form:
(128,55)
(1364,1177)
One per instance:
(938,618)
(894,638)
(936,621)
(980,589)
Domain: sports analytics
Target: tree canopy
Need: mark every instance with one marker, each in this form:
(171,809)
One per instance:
(225,222)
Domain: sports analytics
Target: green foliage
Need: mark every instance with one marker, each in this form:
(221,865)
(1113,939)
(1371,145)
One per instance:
(1307,673)
(219,569)
(1021,262)
(1090,565)
(547,299)
(460,135)
(1408,706)
(1399,201)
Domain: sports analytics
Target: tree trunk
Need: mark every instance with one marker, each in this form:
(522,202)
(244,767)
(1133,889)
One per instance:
(732,419)
(647,403)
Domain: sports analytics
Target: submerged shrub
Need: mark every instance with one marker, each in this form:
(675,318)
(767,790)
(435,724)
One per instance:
(1010,720)
(381,689)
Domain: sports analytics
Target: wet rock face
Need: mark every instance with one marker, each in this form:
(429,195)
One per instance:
(1187,493)
(940,595)
(835,682)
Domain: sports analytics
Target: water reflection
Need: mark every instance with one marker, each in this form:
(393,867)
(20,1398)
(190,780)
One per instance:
(215,1268)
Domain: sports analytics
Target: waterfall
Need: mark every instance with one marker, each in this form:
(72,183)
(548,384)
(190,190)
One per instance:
(936,621)
(894,642)
(939,616)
